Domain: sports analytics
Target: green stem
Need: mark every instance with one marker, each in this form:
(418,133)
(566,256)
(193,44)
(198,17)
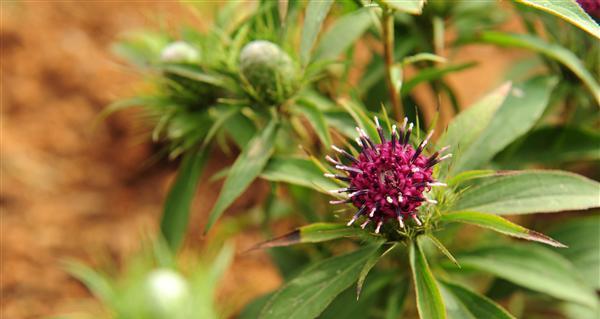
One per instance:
(387,22)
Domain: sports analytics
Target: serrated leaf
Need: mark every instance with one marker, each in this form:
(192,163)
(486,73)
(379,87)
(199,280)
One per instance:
(532,191)
(317,120)
(534,267)
(584,251)
(245,169)
(430,304)
(307,295)
(520,111)
(471,304)
(499,224)
(298,171)
(408,6)
(553,51)
(176,211)
(568,10)
(315,233)
(316,11)
(342,34)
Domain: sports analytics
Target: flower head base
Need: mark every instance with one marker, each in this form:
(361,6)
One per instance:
(387,180)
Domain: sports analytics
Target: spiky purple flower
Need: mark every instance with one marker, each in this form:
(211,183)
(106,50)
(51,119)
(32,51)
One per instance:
(387,180)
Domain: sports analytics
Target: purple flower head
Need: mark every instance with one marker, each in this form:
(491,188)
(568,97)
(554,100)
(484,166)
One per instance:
(386,180)
(592,7)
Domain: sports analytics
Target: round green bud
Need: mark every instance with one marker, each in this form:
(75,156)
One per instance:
(179,52)
(270,71)
(167,294)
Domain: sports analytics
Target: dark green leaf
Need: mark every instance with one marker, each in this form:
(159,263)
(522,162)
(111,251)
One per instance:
(499,224)
(584,249)
(554,51)
(371,262)
(429,299)
(342,34)
(534,267)
(307,295)
(241,129)
(317,120)
(471,304)
(438,244)
(174,221)
(316,11)
(246,168)
(430,74)
(519,112)
(568,10)
(533,191)
(315,233)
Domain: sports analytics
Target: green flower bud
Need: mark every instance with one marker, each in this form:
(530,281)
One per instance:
(167,294)
(179,52)
(270,72)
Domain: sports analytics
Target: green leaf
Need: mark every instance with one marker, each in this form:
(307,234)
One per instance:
(517,115)
(396,300)
(408,6)
(568,10)
(471,304)
(307,295)
(360,116)
(554,144)
(553,51)
(174,221)
(316,11)
(97,283)
(429,299)
(369,264)
(317,120)
(430,74)
(533,267)
(423,57)
(246,168)
(462,177)
(342,34)
(438,244)
(241,129)
(315,233)
(298,171)
(581,236)
(533,191)
(499,224)
(468,125)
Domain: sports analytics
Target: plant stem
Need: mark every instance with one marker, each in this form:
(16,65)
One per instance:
(387,22)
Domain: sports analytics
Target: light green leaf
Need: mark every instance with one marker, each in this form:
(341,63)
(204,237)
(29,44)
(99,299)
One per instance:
(471,304)
(468,125)
(429,299)
(396,76)
(469,175)
(246,168)
(581,235)
(533,267)
(342,34)
(430,74)
(555,144)
(533,191)
(438,244)
(96,282)
(317,120)
(568,10)
(499,224)
(517,115)
(298,171)
(315,233)
(554,51)
(176,211)
(408,6)
(307,295)
(360,116)
(423,57)
(316,11)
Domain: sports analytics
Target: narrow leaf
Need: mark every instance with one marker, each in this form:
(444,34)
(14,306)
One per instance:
(343,33)
(246,168)
(501,225)
(533,267)
(360,116)
(307,295)
(176,211)
(478,306)
(429,299)
(430,74)
(317,120)
(554,51)
(316,11)
(298,171)
(408,6)
(369,264)
(517,115)
(442,249)
(97,283)
(314,233)
(423,57)
(469,175)
(532,191)
(568,10)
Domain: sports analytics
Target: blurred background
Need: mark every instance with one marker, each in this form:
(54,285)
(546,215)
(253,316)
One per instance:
(76,188)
